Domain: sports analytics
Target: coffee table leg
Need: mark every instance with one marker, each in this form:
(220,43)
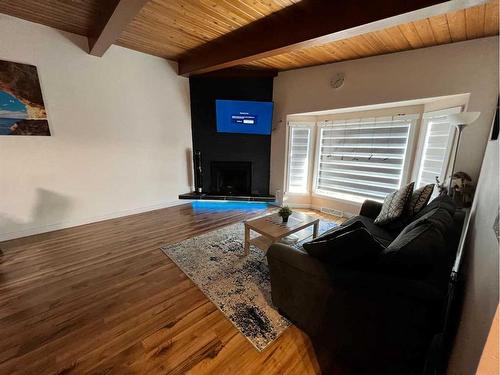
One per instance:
(246,246)
(315,229)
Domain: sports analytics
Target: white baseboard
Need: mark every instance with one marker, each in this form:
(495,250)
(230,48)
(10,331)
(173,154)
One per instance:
(299,205)
(345,214)
(74,223)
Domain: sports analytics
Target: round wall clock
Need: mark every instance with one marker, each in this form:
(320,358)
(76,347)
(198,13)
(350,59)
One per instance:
(338,81)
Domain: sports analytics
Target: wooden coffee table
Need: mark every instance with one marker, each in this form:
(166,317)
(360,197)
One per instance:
(272,229)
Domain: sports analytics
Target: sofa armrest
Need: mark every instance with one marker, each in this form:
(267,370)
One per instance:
(370,209)
(298,261)
(301,285)
(357,281)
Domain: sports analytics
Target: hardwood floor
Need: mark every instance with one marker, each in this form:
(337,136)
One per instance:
(103,298)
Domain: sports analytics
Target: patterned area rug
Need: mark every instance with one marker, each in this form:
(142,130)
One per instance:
(239,286)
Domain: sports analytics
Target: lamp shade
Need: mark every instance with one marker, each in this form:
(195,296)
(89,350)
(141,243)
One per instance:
(463,118)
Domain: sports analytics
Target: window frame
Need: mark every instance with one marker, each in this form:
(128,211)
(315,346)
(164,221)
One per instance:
(412,158)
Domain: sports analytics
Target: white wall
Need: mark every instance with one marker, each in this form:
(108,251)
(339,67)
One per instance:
(120,132)
(459,68)
(481,270)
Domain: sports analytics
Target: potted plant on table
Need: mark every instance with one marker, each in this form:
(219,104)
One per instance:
(285,213)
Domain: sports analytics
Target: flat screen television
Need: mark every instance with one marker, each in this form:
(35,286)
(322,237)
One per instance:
(236,116)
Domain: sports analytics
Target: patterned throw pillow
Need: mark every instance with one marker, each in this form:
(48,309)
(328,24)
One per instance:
(394,205)
(419,200)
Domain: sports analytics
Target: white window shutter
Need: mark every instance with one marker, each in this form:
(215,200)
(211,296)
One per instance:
(437,146)
(298,158)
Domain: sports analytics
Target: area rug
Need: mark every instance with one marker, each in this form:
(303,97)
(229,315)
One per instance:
(239,286)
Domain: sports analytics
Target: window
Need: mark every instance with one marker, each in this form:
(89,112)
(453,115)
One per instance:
(370,153)
(439,137)
(298,157)
(362,158)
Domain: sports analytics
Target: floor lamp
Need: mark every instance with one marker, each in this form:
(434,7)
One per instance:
(460,121)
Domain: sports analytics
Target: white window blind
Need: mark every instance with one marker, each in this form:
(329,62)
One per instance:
(298,158)
(362,158)
(436,147)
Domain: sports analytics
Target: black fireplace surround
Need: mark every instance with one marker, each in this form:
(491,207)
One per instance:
(231,178)
(234,166)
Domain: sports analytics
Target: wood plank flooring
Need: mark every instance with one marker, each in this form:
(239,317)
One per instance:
(103,299)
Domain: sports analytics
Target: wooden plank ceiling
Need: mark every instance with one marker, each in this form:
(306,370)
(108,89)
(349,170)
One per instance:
(471,23)
(80,17)
(169,28)
(172,28)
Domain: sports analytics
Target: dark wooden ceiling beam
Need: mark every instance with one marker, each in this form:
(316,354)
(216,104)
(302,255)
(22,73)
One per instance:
(113,24)
(239,73)
(309,23)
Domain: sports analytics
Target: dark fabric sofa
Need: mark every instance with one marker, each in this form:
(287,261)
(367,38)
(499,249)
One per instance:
(376,319)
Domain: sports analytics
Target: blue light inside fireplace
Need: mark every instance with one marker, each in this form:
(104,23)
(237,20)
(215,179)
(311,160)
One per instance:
(228,205)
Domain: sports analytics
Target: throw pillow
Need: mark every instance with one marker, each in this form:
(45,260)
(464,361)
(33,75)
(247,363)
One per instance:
(354,247)
(394,205)
(419,200)
(337,231)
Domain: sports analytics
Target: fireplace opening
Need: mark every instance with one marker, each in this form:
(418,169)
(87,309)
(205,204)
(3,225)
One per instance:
(231,177)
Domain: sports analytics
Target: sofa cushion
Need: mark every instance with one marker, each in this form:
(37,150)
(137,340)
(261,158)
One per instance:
(394,205)
(382,234)
(418,200)
(356,247)
(415,252)
(439,217)
(442,201)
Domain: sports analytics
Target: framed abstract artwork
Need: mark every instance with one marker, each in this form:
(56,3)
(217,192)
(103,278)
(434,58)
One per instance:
(22,111)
